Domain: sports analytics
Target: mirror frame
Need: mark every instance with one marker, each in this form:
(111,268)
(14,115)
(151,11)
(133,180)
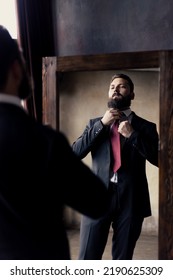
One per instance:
(52,69)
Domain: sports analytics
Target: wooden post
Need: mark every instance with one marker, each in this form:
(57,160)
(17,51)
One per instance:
(166,157)
(50,114)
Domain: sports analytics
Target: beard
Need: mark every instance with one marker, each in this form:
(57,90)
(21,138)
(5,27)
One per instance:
(120,104)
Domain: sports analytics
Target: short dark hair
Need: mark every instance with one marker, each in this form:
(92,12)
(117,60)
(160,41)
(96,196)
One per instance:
(9,52)
(125,77)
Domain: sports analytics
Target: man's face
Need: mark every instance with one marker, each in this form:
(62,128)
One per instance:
(119,94)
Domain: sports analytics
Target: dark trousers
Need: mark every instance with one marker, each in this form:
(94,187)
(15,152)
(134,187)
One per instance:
(94,233)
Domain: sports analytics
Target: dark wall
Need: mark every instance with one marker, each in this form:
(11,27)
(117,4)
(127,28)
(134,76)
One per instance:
(36,33)
(107,26)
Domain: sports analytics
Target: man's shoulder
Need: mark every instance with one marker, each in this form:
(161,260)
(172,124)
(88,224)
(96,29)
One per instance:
(46,131)
(140,119)
(93,120)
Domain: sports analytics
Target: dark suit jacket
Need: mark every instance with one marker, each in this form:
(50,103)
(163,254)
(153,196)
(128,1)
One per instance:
(132,180)
(39,174)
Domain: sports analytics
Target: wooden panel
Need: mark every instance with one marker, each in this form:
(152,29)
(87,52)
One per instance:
(166,157)
(50,101)
(108,61)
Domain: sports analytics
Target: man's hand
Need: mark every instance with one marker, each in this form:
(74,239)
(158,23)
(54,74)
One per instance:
(110,116)
(125,129)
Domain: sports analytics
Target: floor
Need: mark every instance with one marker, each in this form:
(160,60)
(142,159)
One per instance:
(146,248)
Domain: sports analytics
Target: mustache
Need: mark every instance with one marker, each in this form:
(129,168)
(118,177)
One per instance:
(118,94)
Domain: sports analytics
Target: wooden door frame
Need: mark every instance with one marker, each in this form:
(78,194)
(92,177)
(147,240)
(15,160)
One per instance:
(53,67)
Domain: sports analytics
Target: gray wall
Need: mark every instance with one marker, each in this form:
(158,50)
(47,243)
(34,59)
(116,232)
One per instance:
(107,26)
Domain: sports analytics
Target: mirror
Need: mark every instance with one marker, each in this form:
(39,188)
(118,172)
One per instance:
(85,95)
(55,69)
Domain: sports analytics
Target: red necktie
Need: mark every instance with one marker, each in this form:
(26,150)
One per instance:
(115,140)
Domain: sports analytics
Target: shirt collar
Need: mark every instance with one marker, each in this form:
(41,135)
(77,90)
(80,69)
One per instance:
(11,99)
(127,112)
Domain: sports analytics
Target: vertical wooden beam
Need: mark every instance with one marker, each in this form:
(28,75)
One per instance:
(50,113)
(166,157)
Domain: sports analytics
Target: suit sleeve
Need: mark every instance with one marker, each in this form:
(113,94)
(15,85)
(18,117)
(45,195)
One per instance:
(146,142)
(81,189)
(83,145)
